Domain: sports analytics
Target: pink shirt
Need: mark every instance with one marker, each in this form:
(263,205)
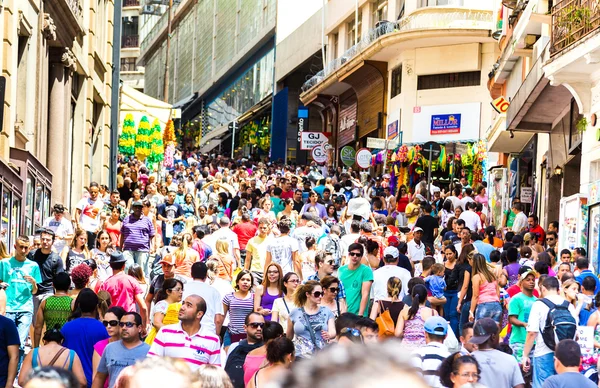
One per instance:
(99,348)
(251,366)
(122,289)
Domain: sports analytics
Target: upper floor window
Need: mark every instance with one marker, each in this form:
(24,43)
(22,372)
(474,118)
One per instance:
(396,87)
(380,11)
(354,32)
(449,80)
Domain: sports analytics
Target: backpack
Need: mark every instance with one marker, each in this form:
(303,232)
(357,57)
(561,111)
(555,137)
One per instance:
(560,324)
(348,194)
(331,244)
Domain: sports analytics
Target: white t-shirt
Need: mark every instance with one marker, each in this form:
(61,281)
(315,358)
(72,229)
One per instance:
(519,223)
(346,240)
(61,229)
(472,220)
(212,298)
(281,249)
(415,252)
(455,201)
(90,214)
(537,321)
(228,235)
(465,201)
(381,277)
(302,232)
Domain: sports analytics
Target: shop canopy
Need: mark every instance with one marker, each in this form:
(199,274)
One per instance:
(140,104)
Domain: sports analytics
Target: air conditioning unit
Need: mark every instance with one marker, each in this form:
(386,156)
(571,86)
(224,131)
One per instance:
(148,10)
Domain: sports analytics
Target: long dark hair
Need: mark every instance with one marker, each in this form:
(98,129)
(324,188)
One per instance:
(419,295)
(490,232)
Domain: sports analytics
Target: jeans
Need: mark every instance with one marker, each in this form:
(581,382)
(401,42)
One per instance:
(543,367)
(450,313)
(489,310)
(464,316)
(137,257)
(22,320)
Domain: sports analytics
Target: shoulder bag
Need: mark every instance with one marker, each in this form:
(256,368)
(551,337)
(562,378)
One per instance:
(385,322)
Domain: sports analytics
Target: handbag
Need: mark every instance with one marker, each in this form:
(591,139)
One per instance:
(385,322)
(305,348)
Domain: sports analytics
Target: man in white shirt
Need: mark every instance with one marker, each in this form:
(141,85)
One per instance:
(543,356)
(467,198)
(213,318)
(87,214)
(472,220)
(416,248)
(389,270)
(454,197)
(520,223)
(226,233)
(349,238)
(62,228)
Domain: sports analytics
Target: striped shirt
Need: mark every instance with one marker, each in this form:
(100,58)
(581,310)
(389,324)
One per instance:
(238,310)
(427,359)
(200,349)
(136,233)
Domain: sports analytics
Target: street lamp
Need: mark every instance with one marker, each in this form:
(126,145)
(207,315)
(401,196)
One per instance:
(558,171)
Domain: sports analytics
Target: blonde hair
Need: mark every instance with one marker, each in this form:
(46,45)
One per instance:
(394,285)
(79,232)
(480,267)
(300,297)
(222,247)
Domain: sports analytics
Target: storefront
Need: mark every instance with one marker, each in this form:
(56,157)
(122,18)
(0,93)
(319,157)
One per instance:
(11,196)
(35,183)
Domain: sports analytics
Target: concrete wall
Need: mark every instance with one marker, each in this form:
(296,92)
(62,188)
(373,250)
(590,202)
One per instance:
(292,14)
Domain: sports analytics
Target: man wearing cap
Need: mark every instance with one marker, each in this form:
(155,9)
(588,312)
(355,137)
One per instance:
(428,358)
(62,228)
(519,308)
(416,248)
(124,290)
(389,270)
(498,369)
(137,236)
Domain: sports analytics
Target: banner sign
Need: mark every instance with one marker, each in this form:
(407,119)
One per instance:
(445,124)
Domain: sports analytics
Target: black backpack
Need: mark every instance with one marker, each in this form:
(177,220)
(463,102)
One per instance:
(560,324)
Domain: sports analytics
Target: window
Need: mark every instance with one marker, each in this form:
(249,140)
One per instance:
(352,31)
(396,81)
(127,64)
(380,10)
(336,41)
(449,80)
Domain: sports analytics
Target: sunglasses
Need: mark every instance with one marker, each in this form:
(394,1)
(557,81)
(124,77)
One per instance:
(318,294)
(256,325)
(334,289)
(550,239)
(294,281)
(350,331)
(112,323)
(128,324)
(354,254)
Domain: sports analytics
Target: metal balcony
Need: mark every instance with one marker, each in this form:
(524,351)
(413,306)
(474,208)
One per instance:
(131,3)
(131,41)
(572,21)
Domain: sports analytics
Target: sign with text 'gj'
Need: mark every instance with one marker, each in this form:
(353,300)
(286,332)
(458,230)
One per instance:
(309,140)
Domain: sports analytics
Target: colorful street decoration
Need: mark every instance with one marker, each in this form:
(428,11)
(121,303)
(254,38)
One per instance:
(142,139)
(127,138)
(157,148)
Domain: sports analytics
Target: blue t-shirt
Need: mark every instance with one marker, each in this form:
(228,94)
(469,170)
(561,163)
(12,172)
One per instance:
(19,297)
(584,274)
(568,380)
(81,335)
(117,357)
(8,337)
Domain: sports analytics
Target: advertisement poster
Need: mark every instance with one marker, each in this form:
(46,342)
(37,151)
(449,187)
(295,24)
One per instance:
(392,130)
(450,123)
(445,124)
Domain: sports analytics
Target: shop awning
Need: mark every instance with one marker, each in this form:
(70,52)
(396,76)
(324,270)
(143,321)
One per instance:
(140,104)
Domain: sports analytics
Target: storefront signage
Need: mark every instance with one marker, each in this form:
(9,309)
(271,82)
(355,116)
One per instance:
(347,122)
(526,194)
(380,144)
(319,153)
(500,104)
(456,122)
(445,124)
(363,158)
(392,130)
(348,155)
(585,339)
(309,140)
(302,121)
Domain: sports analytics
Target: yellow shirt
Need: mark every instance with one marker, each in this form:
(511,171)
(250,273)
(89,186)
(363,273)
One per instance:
(409,209)
(257,246)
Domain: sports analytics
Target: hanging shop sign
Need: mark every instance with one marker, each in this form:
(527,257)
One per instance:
(500,104)
(309,140)
(302,121)
(319,153)
(453,123)
(348,155)
(392,130)
(526,194)
(380,144)
(363,158)
(435,149)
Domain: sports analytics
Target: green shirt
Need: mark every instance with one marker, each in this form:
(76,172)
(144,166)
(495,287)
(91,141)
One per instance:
(278,205)
(353,281)
(19,297)
(520,306)
(510,218)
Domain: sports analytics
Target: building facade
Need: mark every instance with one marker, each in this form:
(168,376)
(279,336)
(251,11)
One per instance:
(56,62)
(131,74)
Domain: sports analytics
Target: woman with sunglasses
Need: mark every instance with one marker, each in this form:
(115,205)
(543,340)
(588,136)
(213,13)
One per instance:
(270,289)
(311,326)
(52,354)
(331,289)
(166,309)
(111,322)
(282,307)
(459,371)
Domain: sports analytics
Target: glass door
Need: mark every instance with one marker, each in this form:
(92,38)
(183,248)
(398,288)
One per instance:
(594,235)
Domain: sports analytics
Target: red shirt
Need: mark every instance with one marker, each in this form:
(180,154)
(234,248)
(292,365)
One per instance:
(540,231)
(287,194)
(245,231)
(515,289)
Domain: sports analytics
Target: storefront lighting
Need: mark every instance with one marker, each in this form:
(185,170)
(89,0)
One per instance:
(558,171)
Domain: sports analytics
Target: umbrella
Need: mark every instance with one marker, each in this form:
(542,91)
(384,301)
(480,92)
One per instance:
(360,207)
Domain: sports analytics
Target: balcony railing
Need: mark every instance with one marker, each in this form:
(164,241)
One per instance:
(77,9)
(417,21)
(131,3)
(573,20)
(130,41)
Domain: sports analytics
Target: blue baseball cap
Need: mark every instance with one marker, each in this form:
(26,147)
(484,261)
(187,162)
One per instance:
(436,325)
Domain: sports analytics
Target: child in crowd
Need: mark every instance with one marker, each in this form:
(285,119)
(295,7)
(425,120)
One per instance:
(436,285)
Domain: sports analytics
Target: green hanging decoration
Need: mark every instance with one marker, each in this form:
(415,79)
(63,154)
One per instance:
(157,148)
(142,139)
(127,138)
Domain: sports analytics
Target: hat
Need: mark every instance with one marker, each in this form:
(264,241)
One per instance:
(393,241)
(168,259)
(137,203)
(117,257)
(386,176)
(392,251)
(483,330)
(436,325)
(417,229)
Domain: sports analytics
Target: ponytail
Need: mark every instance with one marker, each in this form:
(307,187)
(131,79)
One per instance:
(419,295)
(490,231)
(300,297)
(393,287)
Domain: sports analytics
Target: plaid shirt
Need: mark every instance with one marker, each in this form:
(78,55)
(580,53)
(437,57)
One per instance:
(108,208)
(341,293)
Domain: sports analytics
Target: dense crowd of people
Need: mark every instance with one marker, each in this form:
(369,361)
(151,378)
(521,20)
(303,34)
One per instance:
(226,273)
